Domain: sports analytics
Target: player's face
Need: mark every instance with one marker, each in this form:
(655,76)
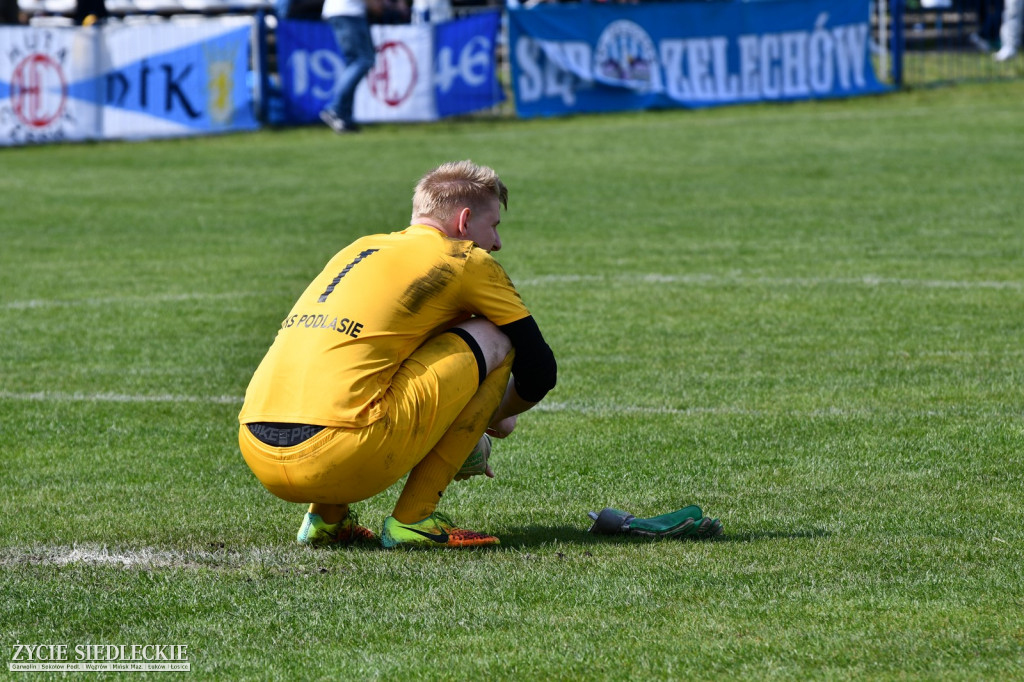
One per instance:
(482,226)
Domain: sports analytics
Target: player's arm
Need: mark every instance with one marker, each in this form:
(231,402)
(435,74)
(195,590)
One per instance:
(534,373)
(490,293)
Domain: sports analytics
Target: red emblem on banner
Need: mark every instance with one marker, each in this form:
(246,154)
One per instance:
(38,90)
(394,74)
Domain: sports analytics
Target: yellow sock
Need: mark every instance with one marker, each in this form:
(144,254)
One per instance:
(428,479)
(424,488)
(330,513)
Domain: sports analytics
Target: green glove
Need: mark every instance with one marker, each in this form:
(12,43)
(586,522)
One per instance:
(688,522)
(476,464)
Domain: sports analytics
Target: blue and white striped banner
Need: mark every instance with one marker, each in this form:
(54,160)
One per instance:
(125,81)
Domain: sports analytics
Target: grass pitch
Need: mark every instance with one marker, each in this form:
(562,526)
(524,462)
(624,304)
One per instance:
(808,319)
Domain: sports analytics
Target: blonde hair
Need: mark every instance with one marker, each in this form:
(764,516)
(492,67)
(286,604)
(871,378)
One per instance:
(452,186)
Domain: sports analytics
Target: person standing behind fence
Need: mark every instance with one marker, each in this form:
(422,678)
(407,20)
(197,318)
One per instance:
(1009,33)
(348,19)
(431,11)
(90,12)
(10,13)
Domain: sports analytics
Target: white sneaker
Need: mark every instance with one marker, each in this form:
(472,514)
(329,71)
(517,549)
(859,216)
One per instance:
(1005,52)
(336,123)
(979,42)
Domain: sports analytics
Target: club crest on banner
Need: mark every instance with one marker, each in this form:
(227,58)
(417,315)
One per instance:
(220,73)
(39,90)
(35,85)
(625,56)
(394,74)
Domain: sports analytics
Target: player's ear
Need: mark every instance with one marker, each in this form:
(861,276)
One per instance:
(462,221)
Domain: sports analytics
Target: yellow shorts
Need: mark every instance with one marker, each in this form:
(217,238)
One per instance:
(339,466)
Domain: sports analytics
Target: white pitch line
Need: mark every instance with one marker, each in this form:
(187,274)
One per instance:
(733,411)
(96,555)
(640,409)
(872,281)
(693,279)
(547,406)
(77,397)
(698,279)
(128,300)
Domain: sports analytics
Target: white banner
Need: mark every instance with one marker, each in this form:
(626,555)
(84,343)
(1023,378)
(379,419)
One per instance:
(400,87)
(41,70)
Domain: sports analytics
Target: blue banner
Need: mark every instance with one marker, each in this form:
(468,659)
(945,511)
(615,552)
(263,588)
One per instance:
(460,68)
(464,66)
(309,63)
(596,57)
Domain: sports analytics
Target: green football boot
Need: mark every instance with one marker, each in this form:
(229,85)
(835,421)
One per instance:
(437,530)
(315,532)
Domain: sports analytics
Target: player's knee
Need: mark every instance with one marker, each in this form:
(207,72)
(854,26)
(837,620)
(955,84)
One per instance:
(493,343)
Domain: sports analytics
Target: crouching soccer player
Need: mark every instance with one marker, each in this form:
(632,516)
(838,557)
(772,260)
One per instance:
(396,360)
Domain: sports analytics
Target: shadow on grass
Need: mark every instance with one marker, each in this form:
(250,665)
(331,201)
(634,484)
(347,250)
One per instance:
(536,536)
(550,537)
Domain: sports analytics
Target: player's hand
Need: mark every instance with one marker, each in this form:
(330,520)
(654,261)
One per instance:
(501,429)
(476,463)
(488,472)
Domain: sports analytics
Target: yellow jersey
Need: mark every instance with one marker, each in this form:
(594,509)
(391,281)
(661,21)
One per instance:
(375,302)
